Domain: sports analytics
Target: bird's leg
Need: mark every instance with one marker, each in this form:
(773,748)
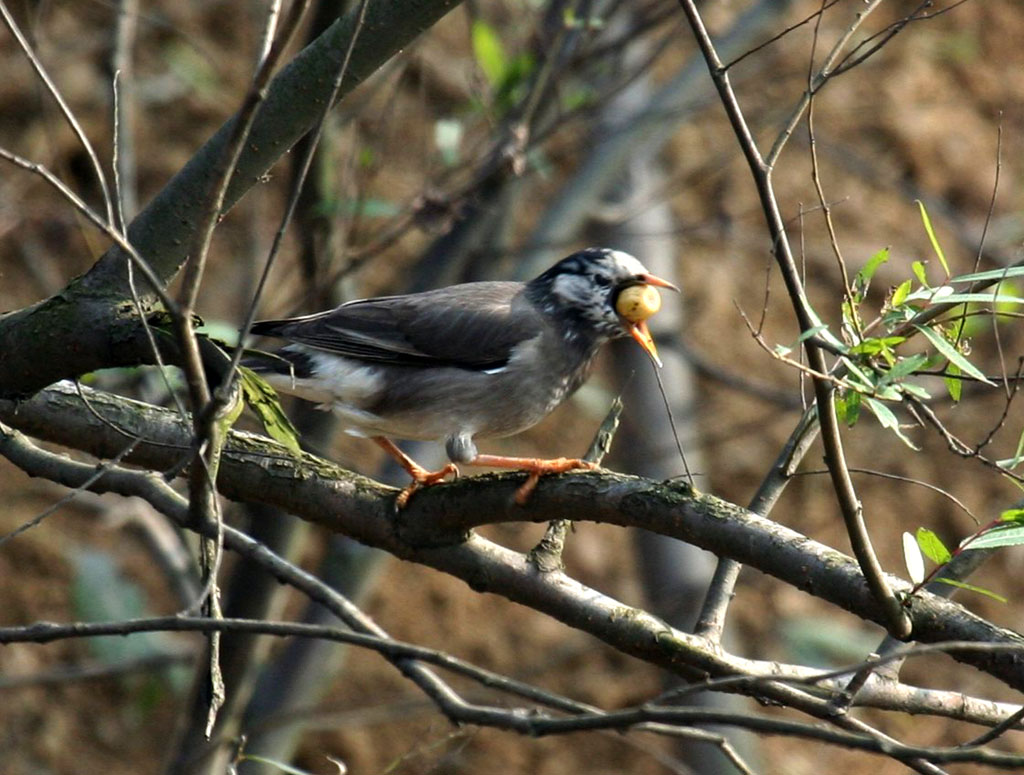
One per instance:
(535,466)
(421,477)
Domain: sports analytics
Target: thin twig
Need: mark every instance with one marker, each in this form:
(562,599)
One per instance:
(299,180)
(824,73)
(65,110)
(122,65)
(897,619)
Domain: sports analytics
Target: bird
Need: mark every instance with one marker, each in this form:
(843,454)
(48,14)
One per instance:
(475,360)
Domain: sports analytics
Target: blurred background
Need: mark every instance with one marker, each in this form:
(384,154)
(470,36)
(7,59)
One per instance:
(507,136)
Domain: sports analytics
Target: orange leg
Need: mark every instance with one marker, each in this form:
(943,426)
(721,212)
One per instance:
(421,477)
(535,466)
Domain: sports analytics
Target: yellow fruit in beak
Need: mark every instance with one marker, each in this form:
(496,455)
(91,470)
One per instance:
(635,304)
(638,302)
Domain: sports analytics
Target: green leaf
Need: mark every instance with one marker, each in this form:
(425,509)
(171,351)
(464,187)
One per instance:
(931,236)
(863,278)
(946,294)
(991,274)
(1005,535)
(887,393)
(264,401)
(932,546)
(1018,455)
(900,294)
(888,420)
(952,354)
(234,410)
(851,319)
(489,52)
(814,331)
(905,367)
(915,390)
(848,407)
(516,75)
(1012,515)
(971,588)
(913,559)
(875,345)
(954,386)
(920,272)
(858,375)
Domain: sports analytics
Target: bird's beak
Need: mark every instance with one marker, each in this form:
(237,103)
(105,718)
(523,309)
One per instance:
(650,279)
(639,330)
(642,334)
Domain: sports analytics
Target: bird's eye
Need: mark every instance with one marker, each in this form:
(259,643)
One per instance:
(603,280)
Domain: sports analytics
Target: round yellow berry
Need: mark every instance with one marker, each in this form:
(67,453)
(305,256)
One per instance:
(638,302)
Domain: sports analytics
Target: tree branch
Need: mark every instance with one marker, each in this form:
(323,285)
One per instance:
(88,325)
(435,530)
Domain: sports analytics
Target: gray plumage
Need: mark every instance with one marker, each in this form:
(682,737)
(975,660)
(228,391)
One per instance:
(486,359)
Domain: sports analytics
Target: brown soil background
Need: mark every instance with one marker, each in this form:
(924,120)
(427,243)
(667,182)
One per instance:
(919,120)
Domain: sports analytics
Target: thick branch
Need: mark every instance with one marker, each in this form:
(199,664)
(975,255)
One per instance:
(87,325)
(435,530)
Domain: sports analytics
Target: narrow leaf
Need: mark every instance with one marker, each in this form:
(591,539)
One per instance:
(874,345)
(920,272)
(1012,515)
(859,375)
(1010,463)
(888,420)
(1009,535)
(952,354)
(906,366)
(946,295)
(900,294)
(1018,456)
(931,236)
(864,276)
(913,558)
(991,274)
(263,400)
(932,546)
(489,52)
(915,390)
(954,386)
(812,332)
(848,407)
(971,588)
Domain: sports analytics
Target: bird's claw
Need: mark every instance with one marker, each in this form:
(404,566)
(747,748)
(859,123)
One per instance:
(556,466)
(421,477)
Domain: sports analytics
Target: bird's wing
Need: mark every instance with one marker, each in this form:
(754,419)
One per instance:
(472,326)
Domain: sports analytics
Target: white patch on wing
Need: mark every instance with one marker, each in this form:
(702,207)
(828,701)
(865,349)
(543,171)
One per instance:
(495,371)
(335,380)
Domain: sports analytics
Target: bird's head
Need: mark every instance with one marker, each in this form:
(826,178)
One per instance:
(601,293)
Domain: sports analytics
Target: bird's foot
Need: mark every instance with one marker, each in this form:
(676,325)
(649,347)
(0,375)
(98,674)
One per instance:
(536,467)
(558,465)
(421,477)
